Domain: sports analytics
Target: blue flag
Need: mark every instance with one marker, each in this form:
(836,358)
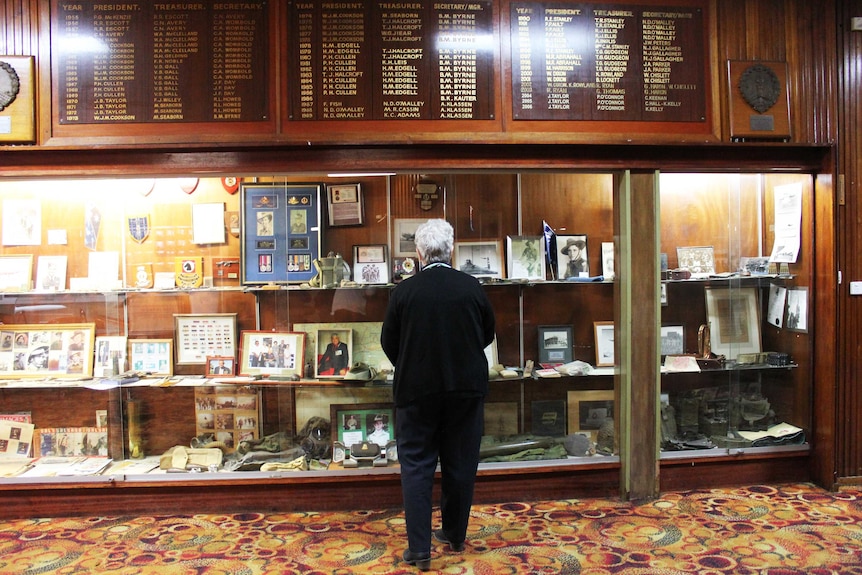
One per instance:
(550,247)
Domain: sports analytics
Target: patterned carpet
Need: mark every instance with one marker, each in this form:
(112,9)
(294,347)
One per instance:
(774,530)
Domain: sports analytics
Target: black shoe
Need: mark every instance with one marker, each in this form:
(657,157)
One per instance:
(440,536)
(422,562)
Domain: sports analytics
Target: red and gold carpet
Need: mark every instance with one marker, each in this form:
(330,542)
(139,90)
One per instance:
(764,530)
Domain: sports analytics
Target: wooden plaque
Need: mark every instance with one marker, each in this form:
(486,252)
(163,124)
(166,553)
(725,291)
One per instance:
(17,100)
(758,102)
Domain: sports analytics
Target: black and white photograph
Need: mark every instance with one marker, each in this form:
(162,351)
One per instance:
(482,259)
(525,257)
(555,344)
(572,259)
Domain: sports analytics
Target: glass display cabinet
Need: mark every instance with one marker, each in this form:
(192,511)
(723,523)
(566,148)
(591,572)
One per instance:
(153,409)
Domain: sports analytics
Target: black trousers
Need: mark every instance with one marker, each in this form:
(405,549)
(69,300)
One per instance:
(448,427)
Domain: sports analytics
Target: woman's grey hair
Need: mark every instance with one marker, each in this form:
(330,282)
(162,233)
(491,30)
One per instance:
(434,240)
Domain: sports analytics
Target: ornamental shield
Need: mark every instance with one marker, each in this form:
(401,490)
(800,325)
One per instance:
(139,228)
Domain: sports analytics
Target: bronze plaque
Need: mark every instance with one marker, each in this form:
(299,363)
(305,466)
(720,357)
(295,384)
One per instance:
(608,62)
(128,62)
(759,101)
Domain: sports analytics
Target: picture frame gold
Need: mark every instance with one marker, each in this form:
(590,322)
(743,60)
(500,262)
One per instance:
(220,365)
(272,354)
(587,410)
(152,356)
(733,315)
(47,351)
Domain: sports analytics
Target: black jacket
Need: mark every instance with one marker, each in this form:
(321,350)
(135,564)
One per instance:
(436,328)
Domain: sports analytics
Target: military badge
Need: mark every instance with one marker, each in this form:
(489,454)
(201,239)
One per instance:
(139,228)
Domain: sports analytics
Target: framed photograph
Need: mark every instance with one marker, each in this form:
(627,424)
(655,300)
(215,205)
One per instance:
(371,264)
(153,356)
(51,273)
(16,273)
(334,353)
(548,417)
(588,410)
(220,365)
(672,340)
(525,257)
(403,268)
(403,244)
(734,321)
(110,355)
(40,351)
(697,260)
(345,204)
(608,270)
(555,344)
(272,354)
(572,261)
(201,335)
(483,259)
(501,418)
(604,343)
(279,232)
(353,423)
(230,413)
(797,309)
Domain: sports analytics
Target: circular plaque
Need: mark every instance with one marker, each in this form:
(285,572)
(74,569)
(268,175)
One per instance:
(10,84)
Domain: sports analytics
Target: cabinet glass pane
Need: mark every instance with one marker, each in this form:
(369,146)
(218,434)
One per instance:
(736,356)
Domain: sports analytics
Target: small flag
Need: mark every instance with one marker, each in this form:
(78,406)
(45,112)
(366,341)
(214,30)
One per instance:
(550,247)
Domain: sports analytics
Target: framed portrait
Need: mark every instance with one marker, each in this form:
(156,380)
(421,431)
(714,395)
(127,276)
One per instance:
(525,257)
(555,344)
(153,356)
(608,270)
(572,260)
(279,232)
(672,340)
(483,259)
(345,204)
(797,309)
(588,410)
(220,365)
(272,354)
(110,355)
(201,335)
(696,259)
(334,354)
(734,321)
(353,423)
(604,331)
(16,273)
(51,273)
(371,264)
(403,241)
(41,351)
